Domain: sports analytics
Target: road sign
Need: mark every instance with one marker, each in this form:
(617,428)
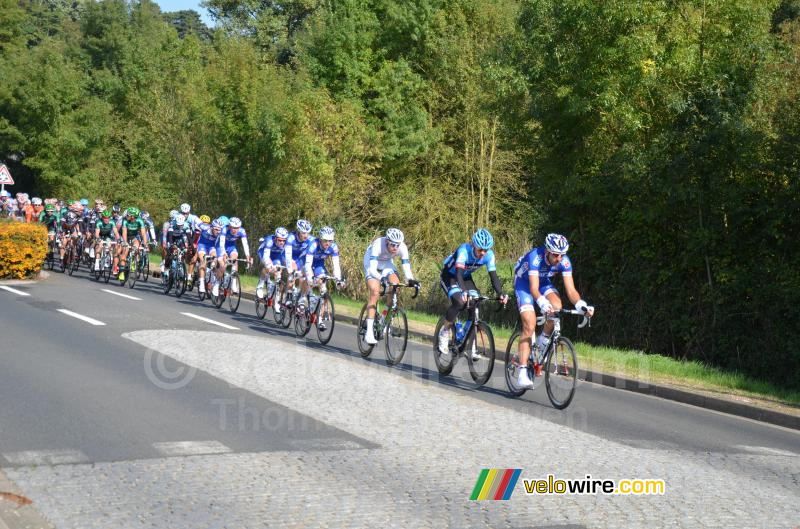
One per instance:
(5,176)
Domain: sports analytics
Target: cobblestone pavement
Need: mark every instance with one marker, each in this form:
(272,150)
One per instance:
(431,446)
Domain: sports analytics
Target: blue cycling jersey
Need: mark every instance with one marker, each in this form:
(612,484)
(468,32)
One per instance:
(464,257)
(535,262)
(276,253)
(231,238)
(319,255)
(206,236)
(299,248)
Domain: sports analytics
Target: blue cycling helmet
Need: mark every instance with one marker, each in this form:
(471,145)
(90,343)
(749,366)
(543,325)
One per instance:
(483,239)
(281,233)
(235,222)
(556,243)
(224,220)
(303,226)
(84,202)
(327,233)
(216,224)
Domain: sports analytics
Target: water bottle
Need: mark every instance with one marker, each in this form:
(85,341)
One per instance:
(460,330)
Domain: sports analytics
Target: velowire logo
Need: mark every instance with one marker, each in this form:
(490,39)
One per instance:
(495,484)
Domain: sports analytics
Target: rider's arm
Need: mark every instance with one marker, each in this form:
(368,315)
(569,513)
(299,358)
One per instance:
(221,240)
(309,261)
(143,231)
(245,246)
(374,252)
(288,249)
(491,267)
(152,231)
(406,262)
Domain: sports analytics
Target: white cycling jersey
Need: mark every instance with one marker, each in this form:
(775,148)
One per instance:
(378,259)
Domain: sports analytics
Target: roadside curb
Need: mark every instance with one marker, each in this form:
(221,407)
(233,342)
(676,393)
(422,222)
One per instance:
(16,511)
(700,400)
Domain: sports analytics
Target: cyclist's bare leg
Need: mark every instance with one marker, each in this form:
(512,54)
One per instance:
(374,287)
(391,279)
(528,319)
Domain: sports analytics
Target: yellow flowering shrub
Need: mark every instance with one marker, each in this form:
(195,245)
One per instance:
(23,248)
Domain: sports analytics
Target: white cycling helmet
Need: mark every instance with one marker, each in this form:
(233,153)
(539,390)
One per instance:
(180,220)
(327,233)
(303,226)
(185,208)
(36,201)
(236,222)
(281,233)
(216,224)
(173,213)
(556,243)
(394,235)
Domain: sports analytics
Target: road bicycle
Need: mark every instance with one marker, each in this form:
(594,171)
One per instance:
(143,264)
(391,323)
(288,298)
(557,361)
(175,275)
(471,337)
(318,311)
(207,277)
(231,287)
(52,250)
(130,267)
(106,261)
(272,296)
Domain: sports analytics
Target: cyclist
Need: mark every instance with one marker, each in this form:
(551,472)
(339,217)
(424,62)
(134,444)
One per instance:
(133,234)
(456,279)
(296,248)
(272,253)
(24,208)
(38,207)
(104,230)
(70,230)
(318,252)
(192,220)
(165,228)
(206,243)
(200,223)
(116,215)
(532,282)
(226,247)
(149,225)
(379,266)
(51,220)
(179,234)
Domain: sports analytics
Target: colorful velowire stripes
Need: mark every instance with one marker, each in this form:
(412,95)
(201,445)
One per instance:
(495,484)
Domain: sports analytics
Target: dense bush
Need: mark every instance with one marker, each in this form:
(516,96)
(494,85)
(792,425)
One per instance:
(22,249)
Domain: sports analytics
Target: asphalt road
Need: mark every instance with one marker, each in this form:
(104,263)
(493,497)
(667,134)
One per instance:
(80,383)
(65,382)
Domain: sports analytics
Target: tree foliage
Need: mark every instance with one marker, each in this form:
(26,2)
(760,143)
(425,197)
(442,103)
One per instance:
(660,137)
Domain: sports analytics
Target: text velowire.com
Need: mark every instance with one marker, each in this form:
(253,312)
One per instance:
(590,485)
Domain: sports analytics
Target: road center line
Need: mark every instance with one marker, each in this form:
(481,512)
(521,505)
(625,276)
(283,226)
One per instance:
(87,319)
(15,291)
(225,325)
(120,294)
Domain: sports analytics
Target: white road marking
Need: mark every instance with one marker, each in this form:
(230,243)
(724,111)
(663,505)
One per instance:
(120,294)
(225,325)
(191,448)
(766,450)
(46,457)
(87,319)
(15,291)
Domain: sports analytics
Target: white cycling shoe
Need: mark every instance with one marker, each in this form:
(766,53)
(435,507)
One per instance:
(523,380)
(444,341)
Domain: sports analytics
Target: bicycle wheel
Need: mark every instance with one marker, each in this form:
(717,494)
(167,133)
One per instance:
(302,321)
(277,295)
(145,266)
(511,365)
(444,361)
(480,353)
(180,279)
(135,265)
(133,272)
(72,260)
(561,373)
(396,336)
(261,307)
(166,280)
(363,347)
(325,319)
(51,256)
(287,309)
(234,292)
(219,299)
(99,272)
(62,266)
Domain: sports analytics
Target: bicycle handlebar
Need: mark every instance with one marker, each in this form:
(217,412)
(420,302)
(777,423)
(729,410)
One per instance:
(395,286)
(587,320)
